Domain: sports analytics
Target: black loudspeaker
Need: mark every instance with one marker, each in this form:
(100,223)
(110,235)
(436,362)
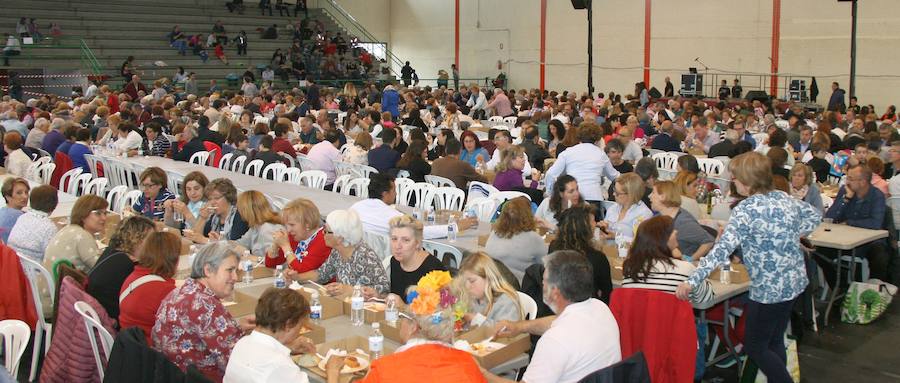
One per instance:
(758,95)
(654,93)
(691,85)
(580,4)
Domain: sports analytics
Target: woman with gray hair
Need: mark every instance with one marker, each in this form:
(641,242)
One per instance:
(351,262)
(192,325)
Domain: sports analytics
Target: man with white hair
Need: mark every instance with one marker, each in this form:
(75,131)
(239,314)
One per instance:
(54,137)
(192,144)
(500,105)
(12,124)
(36,136)
(133,87)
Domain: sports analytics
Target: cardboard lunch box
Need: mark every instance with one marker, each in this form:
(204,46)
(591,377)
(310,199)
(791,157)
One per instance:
(240,305)
(331,307)
(259,272)
(349,344)
(514,346)
(373,311)
(314,332)
(392,331)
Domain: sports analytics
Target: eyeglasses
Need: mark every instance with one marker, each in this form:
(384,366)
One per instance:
(616,192)
(328,231)
(100,212)
(147,186)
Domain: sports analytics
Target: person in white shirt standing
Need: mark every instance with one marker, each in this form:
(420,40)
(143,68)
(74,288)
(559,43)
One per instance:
(264,356)
(325,153)
(581,338)
(586,162)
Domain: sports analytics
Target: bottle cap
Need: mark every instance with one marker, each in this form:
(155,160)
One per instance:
(375,325)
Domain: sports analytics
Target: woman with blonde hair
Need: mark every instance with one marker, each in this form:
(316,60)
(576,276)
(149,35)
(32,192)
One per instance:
(301,243)
(686,182)
(489,296)
(514,240)
(255,209)
(510,173)
(409,262)
(117,262)
(358,151)
(628,211)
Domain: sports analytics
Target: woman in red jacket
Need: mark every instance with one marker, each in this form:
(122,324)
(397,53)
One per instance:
(150,282)
(302,245)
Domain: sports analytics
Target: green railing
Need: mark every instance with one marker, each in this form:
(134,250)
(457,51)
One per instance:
(346,20)
(42,50)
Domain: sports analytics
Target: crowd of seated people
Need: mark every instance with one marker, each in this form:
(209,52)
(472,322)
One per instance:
(584,162)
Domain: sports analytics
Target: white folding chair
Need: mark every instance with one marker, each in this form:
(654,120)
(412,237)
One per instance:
(403,186)
(529,306)
(510,121)
(666,160)
(711,166)
(450,256)
(364,170)
(254,168)
(174,181)
(340,183)
(275,170)
(114,198)
(448,198)
(360,185)
(496,119)
(96,186)
(439,181)
(15,335)
(67,180)
(402,173)
(484,209)
(45,172)
(129,199)
(291,161)
(422,194)
(479,190)
(35,272)
(199,158)
(92,163)
(292,176)
(505,195)
(343,168)
(31,172)
(93,327)
(237,164)
(225,162)
(314,179)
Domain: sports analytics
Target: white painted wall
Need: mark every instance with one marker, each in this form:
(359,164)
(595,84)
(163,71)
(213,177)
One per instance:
(727,35)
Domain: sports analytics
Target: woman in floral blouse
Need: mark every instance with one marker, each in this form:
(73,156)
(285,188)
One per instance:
(767,226)
(192,326)
(351,261)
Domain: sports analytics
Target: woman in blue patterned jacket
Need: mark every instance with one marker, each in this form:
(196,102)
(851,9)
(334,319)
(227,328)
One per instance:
(767,226)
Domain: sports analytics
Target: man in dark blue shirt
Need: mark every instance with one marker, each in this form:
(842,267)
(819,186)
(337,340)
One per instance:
(384,157)
(859,204)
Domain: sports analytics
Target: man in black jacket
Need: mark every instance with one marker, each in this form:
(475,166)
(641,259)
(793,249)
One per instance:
(193,144)
(534,150)
(725,147)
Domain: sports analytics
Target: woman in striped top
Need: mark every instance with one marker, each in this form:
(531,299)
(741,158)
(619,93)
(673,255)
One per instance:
(654,261)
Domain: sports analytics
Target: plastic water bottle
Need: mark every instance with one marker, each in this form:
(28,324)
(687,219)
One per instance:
(376,342)
(452,229)
(247,268)
(140,151)
(356,306)
(470,212)
(430,216)
(725,274)
(391,313)
(279,277)
(315,308)
(417,214)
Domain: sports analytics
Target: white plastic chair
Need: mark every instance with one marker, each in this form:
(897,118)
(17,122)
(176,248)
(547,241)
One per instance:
(31,172)
(403,186)
(92,325)
(174,181)
(92,163)
(292,162)
(115,197)
(510,121)
(364,170)
(15,335)
(484,209)
(292,176)
(402,173)
(360,185)
(479,190)
(340,183)
(96,186)
(449,255)
(506,195)
(711,166)
(498,119)
(448,198)
(199,158)
(666,160)
(237,164)
(36,271)
(225,162)
(529,306)
(343,168)
(79,184)
(129,199)
(313,179)
(305,163)
(440,181)
(45,172)
(422,194)
(68,179)
(254,168)
(275,170)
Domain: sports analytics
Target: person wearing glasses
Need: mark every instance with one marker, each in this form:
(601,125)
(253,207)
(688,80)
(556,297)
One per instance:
(220,218)
(628,212)
(152,202)
(76,242)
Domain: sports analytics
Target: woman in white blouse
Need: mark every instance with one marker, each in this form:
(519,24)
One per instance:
(17,161)
(265,354)
(565,195)
(358,151)
(629,211)
(129,139)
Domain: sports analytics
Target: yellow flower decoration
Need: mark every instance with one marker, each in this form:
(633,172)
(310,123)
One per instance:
(426,302)
(434,281)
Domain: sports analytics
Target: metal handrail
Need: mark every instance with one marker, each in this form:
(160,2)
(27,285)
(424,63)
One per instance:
(88,59)
(346,15)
